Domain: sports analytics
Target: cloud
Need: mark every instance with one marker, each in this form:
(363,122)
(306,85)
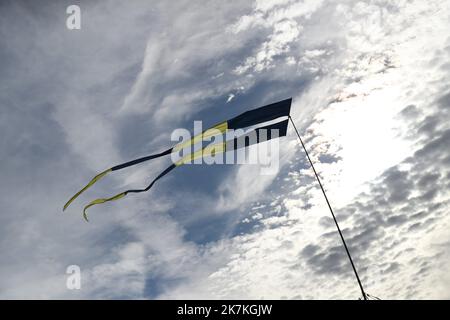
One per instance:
(281,17)
(371,100)
(390,220)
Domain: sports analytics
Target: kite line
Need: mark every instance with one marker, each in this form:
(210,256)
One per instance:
(332,213)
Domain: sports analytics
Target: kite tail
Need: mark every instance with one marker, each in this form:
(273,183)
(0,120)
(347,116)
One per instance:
(94,180)
(115,168)
(123,194)
(102,200)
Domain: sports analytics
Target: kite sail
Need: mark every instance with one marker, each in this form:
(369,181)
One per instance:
(247,119)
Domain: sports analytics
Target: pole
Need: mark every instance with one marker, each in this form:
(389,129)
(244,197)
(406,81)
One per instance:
(332,213)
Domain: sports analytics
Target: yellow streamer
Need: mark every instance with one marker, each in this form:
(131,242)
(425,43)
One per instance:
(94,180)
(205,152)
(102,200)
(221,127)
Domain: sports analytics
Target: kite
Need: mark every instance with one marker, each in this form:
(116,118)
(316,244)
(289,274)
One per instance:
(247,119)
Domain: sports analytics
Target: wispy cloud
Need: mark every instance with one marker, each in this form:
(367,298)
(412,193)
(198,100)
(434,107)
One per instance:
(371,98)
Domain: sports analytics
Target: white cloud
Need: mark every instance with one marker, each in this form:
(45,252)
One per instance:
(351,68)
(230,97)
(298,254)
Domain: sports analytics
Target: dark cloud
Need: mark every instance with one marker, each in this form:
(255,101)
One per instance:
(328,158)
(309,251)
(428,179)
(410,112)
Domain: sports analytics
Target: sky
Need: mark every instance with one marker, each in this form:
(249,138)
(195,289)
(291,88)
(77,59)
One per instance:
(370,82)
